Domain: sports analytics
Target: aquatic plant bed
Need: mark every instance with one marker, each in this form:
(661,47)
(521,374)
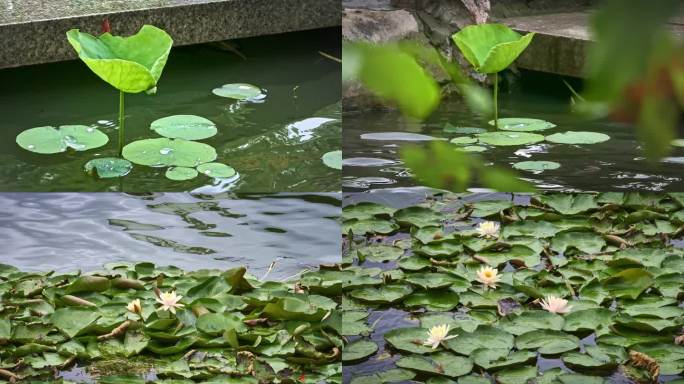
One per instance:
(133,323)
(547,288)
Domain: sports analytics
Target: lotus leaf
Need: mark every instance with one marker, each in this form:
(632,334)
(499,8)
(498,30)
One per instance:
(181,173)
(130,64)
(359,350)
(239,91)
(441,363)
(165,152)
(501,138)
(537,166)
(188,127)
(571,137)
(48,140)
(216,170)
(108,167)
(491,48)
(522,124)
(333,159)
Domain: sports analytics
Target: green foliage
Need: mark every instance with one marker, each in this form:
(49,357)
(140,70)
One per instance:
(130,64)
(239,91)
(187,127)
(108,167)
(491,48)
(333,159)
(48,140)
(165,152)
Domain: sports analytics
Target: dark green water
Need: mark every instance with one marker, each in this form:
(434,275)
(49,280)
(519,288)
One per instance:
(275,146)
(615,165)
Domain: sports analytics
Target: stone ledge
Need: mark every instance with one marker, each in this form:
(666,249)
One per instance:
(34,32)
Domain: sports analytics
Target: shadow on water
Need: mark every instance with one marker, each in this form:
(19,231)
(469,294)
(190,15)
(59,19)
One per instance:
(70,231)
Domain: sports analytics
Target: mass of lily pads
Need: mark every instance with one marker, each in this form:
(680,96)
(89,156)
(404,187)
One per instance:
(546,288)
(134,64)
(132,323)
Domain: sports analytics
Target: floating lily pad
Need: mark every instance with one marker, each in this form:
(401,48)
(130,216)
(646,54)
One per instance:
(536,165)
(48,140)
(108,167)
(677,143)
(463,140)
(333,159)
(572,137)
(216,170)
(522,124)
(509,138)
(450,128)
(547,342)
(188,127)
(472,148)
(359,350)
(181,173)
(408,340)
(165,152)
(442,363)
(239,91)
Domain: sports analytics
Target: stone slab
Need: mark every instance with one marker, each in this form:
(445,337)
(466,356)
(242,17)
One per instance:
(561,41)
(33,31)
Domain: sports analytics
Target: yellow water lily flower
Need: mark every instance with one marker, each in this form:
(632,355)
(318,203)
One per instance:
(438,334)
(169,301)
(488,229)
(555,304)
(488,276)
(135,307)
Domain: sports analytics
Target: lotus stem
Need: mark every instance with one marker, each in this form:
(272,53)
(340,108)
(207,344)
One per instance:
(496,97)
(121,122)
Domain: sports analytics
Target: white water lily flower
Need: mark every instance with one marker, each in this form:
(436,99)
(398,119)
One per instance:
(438,334)
(169,301)
(488,276)
(555,304)
(488,229)
(135,307)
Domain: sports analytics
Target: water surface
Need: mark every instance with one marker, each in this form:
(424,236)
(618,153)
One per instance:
(71,231)
(372,141)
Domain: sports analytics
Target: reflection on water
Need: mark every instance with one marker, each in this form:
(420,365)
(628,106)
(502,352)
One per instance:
(69,231)
(275,144)
(373,139)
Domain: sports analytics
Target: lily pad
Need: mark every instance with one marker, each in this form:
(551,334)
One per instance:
(217,170)
(628,283)
(131,64)
(538,166)
(181,173)
(472,148)
(408,340)
(72,320)
(509,138)
(463,140)
(239,91)
(188,127)
(108,167)
(48,140)
(572,137)
(547,342)
(333,159)
(522,124)
(359,350)
(442,363)
(450,128)
(165,152)
(483,337)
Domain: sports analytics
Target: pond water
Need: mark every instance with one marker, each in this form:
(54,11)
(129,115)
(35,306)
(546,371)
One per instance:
(383,319)
(70,231)
(275,145)
(372,161)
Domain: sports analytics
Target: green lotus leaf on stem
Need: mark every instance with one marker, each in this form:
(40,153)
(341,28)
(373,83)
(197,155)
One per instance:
(49,140)
(130,64)
(490,48)
(238,91)
(165,152)
(333,159)
(108,167)
(188,127)
(181,173)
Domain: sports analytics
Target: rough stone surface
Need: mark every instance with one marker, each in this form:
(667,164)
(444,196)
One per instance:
(33,31)
(378,26)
